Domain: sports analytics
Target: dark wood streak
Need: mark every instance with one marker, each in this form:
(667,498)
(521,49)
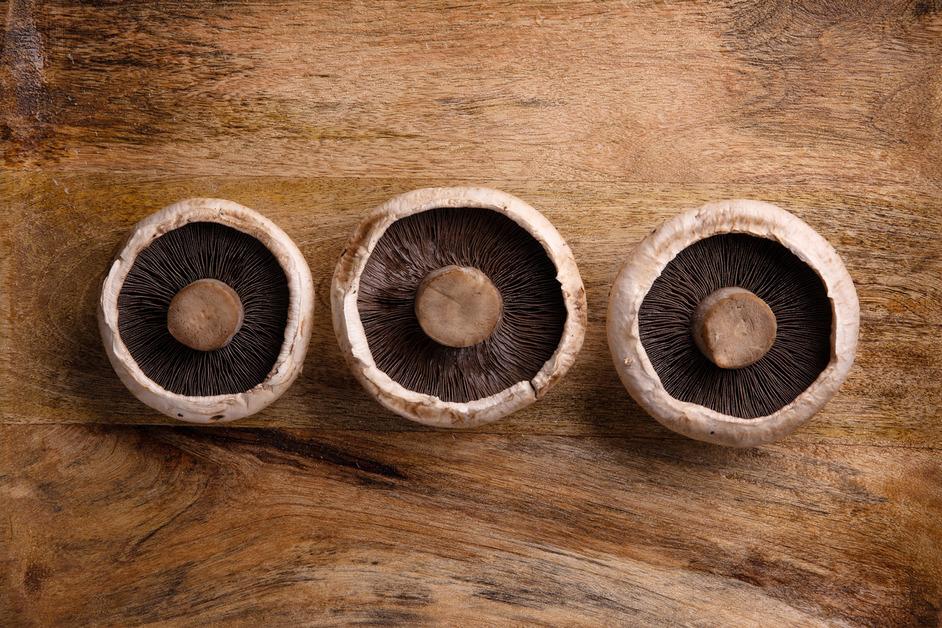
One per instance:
(262,441)
(24,106)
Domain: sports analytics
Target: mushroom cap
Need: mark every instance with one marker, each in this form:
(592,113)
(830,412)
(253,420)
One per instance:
(215,408)
(429,409)
(649,259)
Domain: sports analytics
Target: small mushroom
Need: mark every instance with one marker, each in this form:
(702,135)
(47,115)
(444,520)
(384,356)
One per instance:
(733,323)
(206,312)
(457,306)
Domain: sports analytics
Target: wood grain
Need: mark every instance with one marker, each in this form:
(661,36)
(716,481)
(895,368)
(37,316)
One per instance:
(740,91)
(609,117)
(115,525)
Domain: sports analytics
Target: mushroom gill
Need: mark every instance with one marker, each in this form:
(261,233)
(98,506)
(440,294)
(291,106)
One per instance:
(788,352)
(203,310)
(478,250)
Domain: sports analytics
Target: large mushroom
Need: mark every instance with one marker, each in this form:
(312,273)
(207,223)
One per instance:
(206,312)
(457,306)
(733,323)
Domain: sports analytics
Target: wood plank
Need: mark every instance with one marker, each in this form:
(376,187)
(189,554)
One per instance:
(64,229)
(118,526)
(644,91)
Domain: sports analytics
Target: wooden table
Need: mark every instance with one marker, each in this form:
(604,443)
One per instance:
(609,118)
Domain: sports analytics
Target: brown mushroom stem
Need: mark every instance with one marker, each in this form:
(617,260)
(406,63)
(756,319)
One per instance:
(458,306)
(734,328)
(205,315)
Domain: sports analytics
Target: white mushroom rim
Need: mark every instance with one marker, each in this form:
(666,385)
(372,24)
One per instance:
(429,409)
(216,408)
(645,265)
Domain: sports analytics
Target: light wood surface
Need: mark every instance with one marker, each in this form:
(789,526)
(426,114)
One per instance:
(607,117)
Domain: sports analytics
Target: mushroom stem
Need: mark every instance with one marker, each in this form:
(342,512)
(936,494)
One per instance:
(734,328)
(205,315)
(458,306)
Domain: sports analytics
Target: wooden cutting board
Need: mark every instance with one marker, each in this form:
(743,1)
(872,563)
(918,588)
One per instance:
(609,117)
